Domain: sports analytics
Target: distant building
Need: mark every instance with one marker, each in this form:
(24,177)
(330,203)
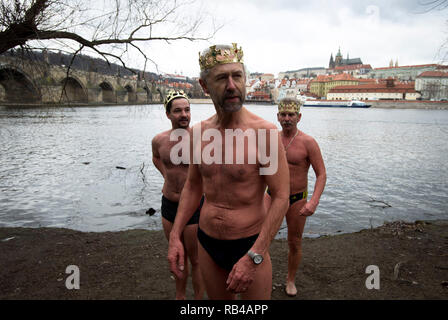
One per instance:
(433,85)
(303,73)
(261,76)
(358,70)
(403,73)
(323,84)
(260,90)
(388,89)
(338,61)
(290,88)
(174,77)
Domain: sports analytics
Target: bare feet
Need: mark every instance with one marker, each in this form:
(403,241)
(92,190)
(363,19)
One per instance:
(291,289)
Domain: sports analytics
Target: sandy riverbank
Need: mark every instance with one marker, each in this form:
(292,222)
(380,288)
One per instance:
(412,259)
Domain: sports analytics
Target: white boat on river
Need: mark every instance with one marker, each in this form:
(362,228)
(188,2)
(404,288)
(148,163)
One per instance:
(336,104)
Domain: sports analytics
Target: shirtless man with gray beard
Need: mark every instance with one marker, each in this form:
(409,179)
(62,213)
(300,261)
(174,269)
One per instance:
(235,230)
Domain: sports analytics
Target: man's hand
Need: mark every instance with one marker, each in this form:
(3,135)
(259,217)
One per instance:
(308,209)
(176,257)
(242,275)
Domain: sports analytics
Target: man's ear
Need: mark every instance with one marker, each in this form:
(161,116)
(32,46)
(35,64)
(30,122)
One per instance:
(204,86)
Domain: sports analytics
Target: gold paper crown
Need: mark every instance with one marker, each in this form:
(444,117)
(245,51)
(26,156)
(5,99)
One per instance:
(289,106)
(173,94)
(216,56)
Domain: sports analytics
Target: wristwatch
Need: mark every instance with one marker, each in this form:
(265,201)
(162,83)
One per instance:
(256,258)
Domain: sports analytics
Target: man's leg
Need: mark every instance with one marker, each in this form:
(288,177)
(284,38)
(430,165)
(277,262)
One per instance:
(296,224)
(181,284)
(191,246)
(214,277)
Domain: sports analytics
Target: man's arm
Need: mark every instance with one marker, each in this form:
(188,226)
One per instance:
(244,270)
(317,162)
(156,155)
(188,204)
(278,184)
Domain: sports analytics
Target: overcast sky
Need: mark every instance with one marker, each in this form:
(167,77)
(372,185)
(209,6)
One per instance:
(281,35)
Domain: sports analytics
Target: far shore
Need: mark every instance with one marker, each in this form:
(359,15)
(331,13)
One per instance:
(384,104)
(410,260)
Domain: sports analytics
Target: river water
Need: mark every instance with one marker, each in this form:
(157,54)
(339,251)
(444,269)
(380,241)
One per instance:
(90,169)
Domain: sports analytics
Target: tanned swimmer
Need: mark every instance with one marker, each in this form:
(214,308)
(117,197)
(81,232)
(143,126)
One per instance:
(302,151)
(177,108)
(235,230)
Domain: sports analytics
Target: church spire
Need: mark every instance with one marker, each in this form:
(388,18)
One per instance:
(331,64)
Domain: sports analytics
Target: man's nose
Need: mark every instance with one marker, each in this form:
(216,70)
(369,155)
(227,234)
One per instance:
(230,84)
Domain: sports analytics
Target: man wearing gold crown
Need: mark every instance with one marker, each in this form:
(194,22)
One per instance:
(177,107)
(301,151)
(235,231)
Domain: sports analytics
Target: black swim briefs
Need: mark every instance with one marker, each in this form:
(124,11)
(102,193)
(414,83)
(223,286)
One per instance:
(295,197)
(225,252)
(169,210)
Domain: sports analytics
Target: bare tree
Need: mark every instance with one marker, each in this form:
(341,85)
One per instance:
(108,28)
(430,5)
(438,5)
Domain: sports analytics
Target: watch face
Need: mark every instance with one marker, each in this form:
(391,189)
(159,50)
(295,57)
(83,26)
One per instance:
(258,259)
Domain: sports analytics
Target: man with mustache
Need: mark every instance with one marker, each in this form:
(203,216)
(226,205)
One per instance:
(301,151)
(177,107)
(235,231)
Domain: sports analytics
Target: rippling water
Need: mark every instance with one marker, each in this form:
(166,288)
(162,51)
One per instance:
(59,167)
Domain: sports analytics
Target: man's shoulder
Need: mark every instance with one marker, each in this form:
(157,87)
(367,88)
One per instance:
(158,138)
(204,124)
(307,139)
(258,122)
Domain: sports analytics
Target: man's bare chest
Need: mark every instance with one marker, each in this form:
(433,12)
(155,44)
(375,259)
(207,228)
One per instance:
(297,154)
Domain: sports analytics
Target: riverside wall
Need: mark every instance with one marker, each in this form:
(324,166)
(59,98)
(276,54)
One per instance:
(398,104)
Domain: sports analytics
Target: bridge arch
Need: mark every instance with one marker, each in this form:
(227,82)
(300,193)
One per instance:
(148,94)
(107,92)
(2,93)
(161,97)
(17,86)
(72,90)
(131,94)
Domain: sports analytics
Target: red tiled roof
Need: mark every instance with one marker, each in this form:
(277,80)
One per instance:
(433,74)
(376,87)
(354,67)
(337,77)
(365,81)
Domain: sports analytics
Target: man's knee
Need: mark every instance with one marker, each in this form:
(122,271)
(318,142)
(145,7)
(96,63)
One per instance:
(194,260)
(295,244)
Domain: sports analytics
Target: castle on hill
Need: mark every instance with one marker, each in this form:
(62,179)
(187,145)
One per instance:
(339,61)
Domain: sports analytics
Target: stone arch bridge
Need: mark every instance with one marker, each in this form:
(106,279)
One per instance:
(39,83)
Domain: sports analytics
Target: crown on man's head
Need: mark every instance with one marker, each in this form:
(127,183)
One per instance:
(173,94)
(289,106)
(215,56)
